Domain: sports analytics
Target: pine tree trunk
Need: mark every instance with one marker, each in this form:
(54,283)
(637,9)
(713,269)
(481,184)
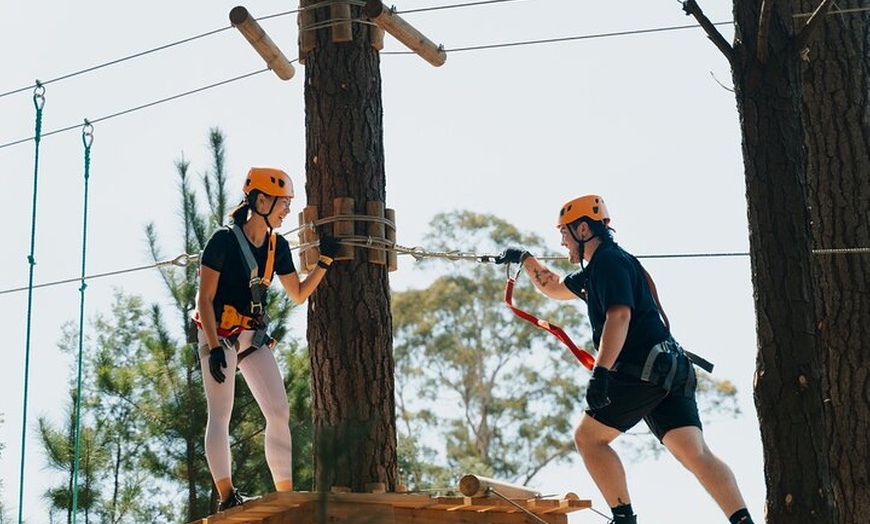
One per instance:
(788,381)
(836,87)
(349,320)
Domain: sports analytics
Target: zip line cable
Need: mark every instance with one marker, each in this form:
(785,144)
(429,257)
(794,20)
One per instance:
(38,103)
(87,140)
(454,50)
(294,11)
(417,253)
(193,38)
(451,6)
(119,60)
(143,106)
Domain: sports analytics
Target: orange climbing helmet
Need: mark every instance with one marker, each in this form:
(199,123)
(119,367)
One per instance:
(269,181)
(591,206)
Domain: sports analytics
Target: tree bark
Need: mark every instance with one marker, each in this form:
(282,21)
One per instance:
(836,80)
(788,379)
(349,318)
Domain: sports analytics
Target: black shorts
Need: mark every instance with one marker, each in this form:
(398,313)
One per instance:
(632,399)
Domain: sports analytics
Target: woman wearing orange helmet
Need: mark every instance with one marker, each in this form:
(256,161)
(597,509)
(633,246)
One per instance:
(237,265)
(640,373)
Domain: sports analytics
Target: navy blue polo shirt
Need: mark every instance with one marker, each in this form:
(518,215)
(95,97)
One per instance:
(615,278)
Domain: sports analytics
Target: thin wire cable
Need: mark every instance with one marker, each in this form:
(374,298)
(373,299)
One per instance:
(87,140)
(120,60)
(451,6)
(179,261)
(38,103)
(577,37)
(143,106)
(835,12)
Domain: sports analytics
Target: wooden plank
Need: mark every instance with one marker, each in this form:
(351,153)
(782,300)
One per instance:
(343,228)
(392,508)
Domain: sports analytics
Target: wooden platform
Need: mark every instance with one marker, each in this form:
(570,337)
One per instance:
(394,508)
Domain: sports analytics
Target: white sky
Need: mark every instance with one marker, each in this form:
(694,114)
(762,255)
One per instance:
(639,119)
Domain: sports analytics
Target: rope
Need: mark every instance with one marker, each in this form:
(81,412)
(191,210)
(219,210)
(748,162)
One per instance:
(38,103)
(87,140)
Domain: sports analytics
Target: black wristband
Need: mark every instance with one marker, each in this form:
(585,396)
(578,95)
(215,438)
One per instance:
(324,265)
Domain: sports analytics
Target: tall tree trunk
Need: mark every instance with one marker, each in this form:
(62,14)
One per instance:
(788,374)
(349,319)
(836,95)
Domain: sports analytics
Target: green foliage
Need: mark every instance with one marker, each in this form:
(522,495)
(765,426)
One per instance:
(500,394)
(480,390)
(143,412)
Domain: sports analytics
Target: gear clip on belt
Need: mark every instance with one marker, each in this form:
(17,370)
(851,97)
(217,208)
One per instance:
(582,355)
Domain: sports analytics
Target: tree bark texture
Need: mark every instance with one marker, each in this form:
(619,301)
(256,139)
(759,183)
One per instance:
(349,319)
(836,96)
(788,392)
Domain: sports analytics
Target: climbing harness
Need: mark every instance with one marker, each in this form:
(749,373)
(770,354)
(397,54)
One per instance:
(259,320)
(582,355)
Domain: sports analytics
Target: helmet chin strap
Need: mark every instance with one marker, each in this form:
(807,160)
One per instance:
(582,246)
(253,206)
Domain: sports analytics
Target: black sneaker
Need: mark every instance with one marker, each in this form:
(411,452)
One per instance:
(625,520)
(235,499)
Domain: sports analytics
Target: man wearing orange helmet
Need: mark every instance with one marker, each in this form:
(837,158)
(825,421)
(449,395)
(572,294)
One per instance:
(237,266)
(640,373)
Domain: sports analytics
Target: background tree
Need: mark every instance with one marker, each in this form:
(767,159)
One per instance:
(518,390)
(835,83)
(174,367)
(59,444)
(349,319)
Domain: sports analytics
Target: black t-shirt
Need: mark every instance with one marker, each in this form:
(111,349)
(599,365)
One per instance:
(615,278)
(223,254)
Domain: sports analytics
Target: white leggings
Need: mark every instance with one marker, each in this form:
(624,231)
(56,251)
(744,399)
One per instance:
(263,377)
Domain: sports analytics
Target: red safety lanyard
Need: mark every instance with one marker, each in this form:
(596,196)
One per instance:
(582,355)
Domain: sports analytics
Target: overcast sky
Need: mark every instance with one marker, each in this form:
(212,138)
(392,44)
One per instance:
(644,119)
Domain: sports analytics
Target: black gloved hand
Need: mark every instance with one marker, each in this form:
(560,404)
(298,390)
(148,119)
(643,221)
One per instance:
(512,255)
(329,246)
(217,362)
(596,389)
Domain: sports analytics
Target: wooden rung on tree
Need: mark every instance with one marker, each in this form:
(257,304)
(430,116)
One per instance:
(392,254)
(376,36)
(405,33)
(342,30)
(308,258)
(343,228)
(377,231)
(265,47)
(307,38)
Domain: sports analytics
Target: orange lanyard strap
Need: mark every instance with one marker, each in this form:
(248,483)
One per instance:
(582,355)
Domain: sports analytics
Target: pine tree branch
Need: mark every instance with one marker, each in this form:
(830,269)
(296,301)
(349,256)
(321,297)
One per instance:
(691,7)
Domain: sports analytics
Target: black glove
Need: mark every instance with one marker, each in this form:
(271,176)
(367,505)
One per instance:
(512,255)
(217,362)
(329,246)
(596,389)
